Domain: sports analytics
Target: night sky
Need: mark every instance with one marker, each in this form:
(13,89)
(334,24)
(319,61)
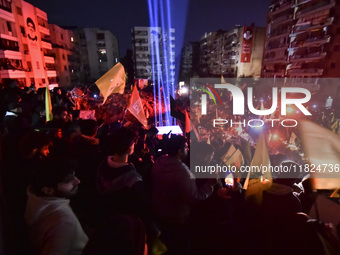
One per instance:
(190,18)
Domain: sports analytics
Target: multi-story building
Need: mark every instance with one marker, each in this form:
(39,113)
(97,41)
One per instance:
(189,61)
(67,59)
(99,51)
(303,38)
(154,53)
(25,51)
(234,53)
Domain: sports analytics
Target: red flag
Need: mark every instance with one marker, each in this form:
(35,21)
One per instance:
(136,107)
(187,123)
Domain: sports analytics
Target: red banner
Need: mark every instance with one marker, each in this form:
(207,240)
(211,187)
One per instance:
(247,44)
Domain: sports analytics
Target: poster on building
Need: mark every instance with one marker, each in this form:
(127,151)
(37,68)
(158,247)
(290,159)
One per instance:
(141,83)
(247,44)
(33,38)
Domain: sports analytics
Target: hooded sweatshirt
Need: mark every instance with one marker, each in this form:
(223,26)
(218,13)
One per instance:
(175,190)
(54,228)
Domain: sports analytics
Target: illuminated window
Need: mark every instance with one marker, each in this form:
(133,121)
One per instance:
(72,39)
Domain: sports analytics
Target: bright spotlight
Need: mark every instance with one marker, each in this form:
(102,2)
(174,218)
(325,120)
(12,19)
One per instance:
(184,90)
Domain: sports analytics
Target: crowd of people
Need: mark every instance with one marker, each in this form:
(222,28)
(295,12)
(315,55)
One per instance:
(84,186)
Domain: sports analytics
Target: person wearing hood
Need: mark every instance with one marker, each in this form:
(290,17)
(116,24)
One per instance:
(174,193)
(53,227)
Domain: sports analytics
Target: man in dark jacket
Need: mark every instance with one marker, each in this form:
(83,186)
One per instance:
(120,187)
(174,192)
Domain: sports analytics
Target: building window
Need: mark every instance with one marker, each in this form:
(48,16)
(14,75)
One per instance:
(26,49)
(61,36)
(9,26)
(6,5)
(63,56)
(333,65)
(100,36)
(72,39)
(19,11)
(22,30)
(102,55)
(29,66)
(65,68)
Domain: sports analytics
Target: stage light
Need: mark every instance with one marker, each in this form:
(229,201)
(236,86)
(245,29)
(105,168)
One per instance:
(183,90)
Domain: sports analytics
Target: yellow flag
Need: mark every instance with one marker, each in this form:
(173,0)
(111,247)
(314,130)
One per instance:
(236,159)
(223,80)
(113,81)
(335,127)
(48,104)
(292,139)
(259,180)
(322,148)
(136,107)
(228,154)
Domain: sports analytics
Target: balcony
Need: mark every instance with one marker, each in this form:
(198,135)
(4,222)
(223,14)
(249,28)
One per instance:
(309,57)
(12,74)
(49,60)
(305,72)
(46,45)
(285,6)
(314,42)
(273,73)
(275,60)
(308,26)
(9,44)
(51,73)
(10,54)
(316,8)
(278,35)
(282,19)
(9,36)
(279,48)
(44,30)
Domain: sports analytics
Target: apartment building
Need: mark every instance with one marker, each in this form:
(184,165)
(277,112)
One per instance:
(234,53)
(189,61)
(303,39)
(154,53)
(66,54)
(98,50)
(25,48)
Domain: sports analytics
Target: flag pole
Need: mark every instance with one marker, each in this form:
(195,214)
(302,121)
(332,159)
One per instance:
(123,120)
